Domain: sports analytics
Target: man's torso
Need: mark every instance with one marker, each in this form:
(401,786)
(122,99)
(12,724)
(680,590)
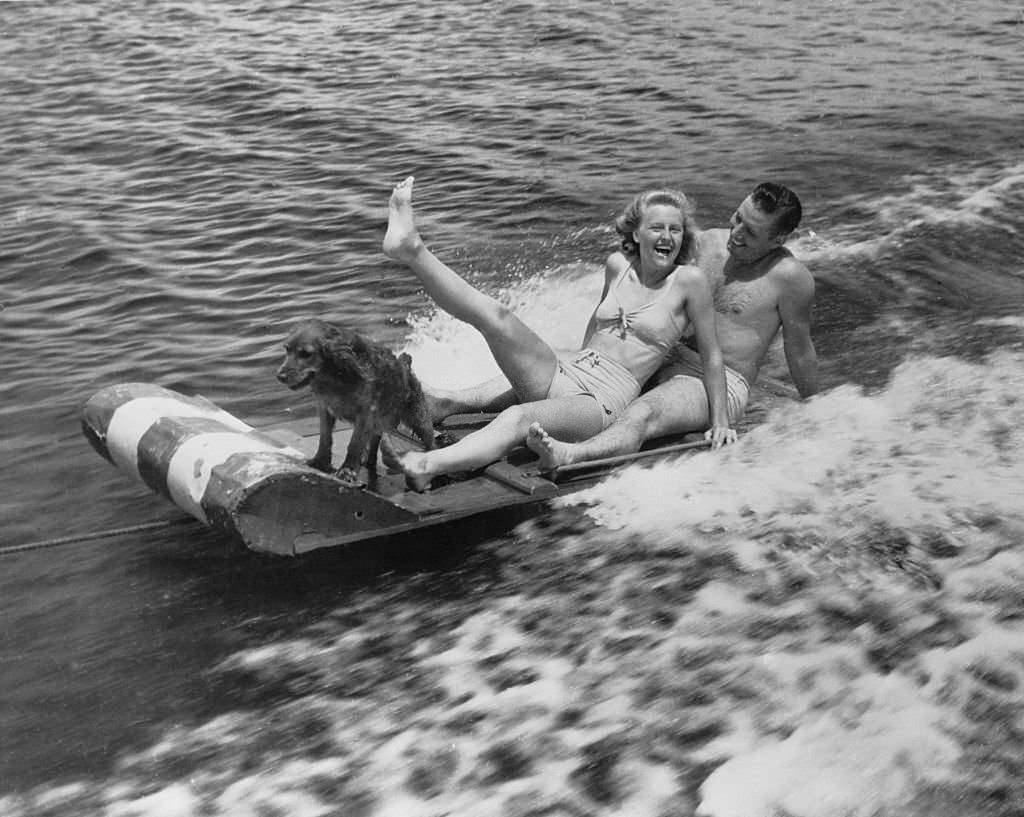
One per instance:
(746,302)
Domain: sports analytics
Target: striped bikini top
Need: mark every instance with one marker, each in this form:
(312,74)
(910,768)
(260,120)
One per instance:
(646,332)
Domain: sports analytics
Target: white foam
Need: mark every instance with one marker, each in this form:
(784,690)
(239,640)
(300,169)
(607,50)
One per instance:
(555,303)
(865,763)
(176,800)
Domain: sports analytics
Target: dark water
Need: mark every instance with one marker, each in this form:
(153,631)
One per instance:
(182,180)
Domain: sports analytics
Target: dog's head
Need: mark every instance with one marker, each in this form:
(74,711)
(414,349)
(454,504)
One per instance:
(314,347)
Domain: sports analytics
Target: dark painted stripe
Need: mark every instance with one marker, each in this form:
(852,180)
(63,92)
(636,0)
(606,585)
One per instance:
(162,439)
(95,440)
(99,409)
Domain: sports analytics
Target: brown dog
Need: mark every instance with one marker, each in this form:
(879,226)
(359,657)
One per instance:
(360,381)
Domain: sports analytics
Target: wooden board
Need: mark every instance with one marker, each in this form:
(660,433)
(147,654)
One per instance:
(385,506)
(253,484)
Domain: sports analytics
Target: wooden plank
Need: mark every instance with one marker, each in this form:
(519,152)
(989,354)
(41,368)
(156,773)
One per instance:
(525,481)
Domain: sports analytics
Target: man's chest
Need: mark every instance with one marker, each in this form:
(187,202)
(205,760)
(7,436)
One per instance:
(742,298)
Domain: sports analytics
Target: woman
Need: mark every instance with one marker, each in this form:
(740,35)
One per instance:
(647,302)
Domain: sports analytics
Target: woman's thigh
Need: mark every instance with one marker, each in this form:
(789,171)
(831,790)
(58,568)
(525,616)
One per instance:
(571,418)
(523,356)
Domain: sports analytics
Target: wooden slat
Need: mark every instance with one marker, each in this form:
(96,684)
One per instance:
(526,481)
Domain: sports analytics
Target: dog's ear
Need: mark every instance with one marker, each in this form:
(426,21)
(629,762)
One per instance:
(346,352)
(359,344)
(335,340)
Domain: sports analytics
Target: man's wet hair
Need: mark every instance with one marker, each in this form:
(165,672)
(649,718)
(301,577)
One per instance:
(781,202)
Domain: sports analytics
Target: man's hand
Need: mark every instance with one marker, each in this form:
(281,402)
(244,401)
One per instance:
(719,436)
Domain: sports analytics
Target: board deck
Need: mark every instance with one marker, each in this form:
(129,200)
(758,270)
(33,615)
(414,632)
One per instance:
(511,481)
(254,484)
(514,480)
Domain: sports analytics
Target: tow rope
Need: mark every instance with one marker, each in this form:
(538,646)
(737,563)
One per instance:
(103,534)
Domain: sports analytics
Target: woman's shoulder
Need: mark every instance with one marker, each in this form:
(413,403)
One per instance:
(616,264)
(617,261)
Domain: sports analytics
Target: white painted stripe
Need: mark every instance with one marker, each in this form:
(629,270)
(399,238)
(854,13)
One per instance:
(193,462)
(134,418)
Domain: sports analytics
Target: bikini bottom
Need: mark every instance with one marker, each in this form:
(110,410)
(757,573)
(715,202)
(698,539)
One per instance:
(590,373)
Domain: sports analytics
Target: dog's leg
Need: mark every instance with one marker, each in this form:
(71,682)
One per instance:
(373,452)
(322,458)
(362,432)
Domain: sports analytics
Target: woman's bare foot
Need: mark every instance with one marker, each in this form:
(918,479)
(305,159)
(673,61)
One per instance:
(553,453)
(401,241)
(412,463)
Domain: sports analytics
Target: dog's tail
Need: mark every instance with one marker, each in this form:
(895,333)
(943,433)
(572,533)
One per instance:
(411,382)
(416,412)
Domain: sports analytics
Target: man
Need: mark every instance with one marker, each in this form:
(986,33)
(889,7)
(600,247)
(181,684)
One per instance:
(759,288)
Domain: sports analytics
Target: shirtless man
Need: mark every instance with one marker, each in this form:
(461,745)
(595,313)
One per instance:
(759,288)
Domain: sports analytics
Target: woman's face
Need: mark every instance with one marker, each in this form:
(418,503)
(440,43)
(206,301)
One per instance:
(660,237)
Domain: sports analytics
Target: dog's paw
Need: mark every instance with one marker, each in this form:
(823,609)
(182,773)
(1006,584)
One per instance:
(350,477)
(320,464)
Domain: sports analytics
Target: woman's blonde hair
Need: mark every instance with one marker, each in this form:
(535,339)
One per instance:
(632,214)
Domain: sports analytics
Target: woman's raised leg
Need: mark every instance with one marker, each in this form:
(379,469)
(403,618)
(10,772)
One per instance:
(523,357)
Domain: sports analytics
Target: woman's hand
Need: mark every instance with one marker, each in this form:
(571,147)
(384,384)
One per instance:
(719,436)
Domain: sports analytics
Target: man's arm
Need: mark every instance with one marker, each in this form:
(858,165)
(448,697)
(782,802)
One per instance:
(795,304)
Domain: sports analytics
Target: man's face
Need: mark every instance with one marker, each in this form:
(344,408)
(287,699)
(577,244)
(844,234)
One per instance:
(752,232)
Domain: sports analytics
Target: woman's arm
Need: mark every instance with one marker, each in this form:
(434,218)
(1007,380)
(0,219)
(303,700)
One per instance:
(612,267)
(701,313)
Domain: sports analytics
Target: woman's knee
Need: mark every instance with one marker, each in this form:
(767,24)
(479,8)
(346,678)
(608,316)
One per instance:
(498,321)
(515,419)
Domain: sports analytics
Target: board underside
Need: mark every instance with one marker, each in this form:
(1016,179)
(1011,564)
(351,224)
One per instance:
(324,513)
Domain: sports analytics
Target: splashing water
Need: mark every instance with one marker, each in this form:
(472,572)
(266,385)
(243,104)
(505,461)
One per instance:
(556,303)
(822,621)
(897,514)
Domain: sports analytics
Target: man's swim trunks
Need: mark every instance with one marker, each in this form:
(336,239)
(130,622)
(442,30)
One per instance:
(590,373)
(685,362)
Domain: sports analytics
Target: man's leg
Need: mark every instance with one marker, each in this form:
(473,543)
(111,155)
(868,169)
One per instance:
(492,395)
(677,406)
(572,416)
